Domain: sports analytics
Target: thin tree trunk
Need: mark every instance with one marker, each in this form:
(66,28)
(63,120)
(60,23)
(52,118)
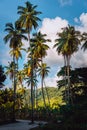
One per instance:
(47,94)
(43,91)
(68,74)
(32,103)
(36,91)
(32,95)
(14,83)
(42,81)
(65,77)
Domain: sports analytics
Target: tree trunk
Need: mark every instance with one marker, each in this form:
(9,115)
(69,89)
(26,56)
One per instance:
(65,77)
(47,94)
(42,81)
(68,75)
(14,84)
(36,91)
(43,91)
(32,103)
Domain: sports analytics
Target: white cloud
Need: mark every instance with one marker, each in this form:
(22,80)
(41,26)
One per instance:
(83,23)
(83,19)
(65,2)
(51,27)
(79,59)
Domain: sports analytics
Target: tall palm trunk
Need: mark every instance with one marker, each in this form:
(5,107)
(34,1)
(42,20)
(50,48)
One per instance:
(36,91)
(43,91)
(42,81)
(65,77)
(68,76)
(36,97)
(14,84)
(32,102)
(47,94)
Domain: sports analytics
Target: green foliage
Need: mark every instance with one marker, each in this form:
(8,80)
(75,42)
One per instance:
(55,97)
(2,76)
(6,104)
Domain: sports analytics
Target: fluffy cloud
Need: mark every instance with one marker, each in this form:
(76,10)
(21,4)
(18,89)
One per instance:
(65,2)
(79,59)
(83,19)
(51,27)
(83,22)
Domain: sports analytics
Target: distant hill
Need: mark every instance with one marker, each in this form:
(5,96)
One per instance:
(53,94)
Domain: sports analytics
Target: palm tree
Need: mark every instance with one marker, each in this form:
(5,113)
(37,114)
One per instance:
(39,45)
(14,37)
(17,53)
(28,19)
(67,44)
(39,48)
(43,72)
(47,93)
(10,69)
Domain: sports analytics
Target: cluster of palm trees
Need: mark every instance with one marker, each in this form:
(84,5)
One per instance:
(67,43)
(36,51)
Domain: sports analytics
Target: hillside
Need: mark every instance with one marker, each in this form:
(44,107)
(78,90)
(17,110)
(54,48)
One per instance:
(52,95)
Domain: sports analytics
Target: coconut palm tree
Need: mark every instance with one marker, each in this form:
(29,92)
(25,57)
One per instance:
(67,44)
(10,69)
(17,53)
(39,47)
(28,19)
(14,37)
(43,72)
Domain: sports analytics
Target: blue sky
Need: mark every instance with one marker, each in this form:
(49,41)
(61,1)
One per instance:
(55,15)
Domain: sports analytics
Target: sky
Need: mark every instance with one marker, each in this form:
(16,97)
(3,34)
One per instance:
(56,14)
